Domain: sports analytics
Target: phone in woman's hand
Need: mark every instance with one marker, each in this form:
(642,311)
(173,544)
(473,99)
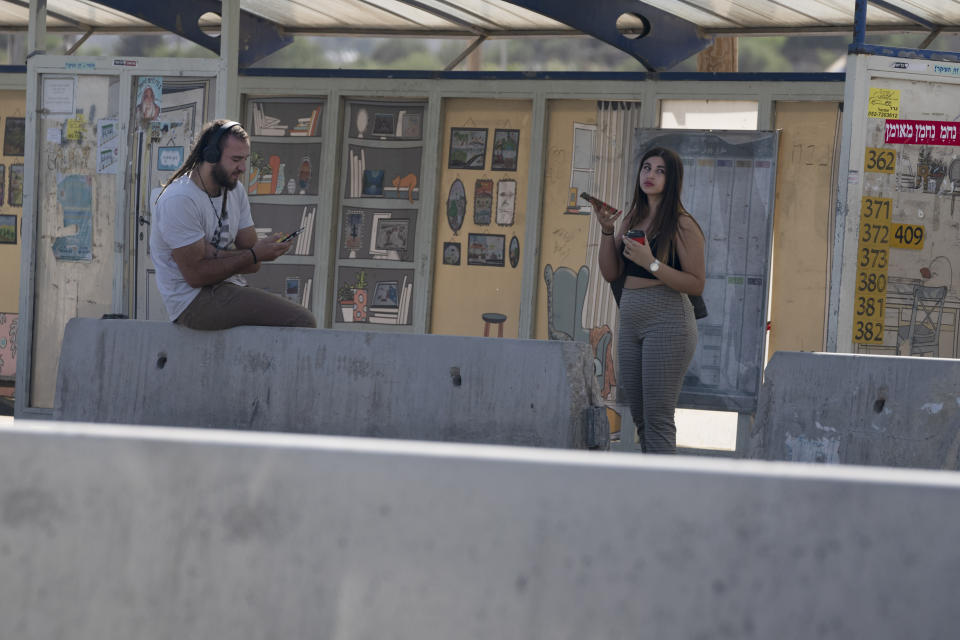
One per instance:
(598,203)
(636,234)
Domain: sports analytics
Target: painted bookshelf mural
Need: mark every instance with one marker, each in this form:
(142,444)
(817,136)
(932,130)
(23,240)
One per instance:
(283,186)
(379,209)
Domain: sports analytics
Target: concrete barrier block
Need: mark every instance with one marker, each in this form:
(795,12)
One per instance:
(859,409)
(495,391)
(112,533)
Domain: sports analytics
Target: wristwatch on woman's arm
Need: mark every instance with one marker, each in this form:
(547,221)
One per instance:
(654,266)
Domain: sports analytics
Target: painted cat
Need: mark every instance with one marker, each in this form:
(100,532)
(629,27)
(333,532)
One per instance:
(408,182)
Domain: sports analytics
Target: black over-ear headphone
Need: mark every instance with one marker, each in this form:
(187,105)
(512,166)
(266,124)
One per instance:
(211,152)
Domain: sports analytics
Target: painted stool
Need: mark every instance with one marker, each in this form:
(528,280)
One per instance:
(493,318)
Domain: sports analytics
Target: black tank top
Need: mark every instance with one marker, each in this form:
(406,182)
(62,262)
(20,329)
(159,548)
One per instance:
(631,268)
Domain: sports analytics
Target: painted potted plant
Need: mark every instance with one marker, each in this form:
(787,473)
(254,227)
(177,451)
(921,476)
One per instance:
(360,298)
(345,298)
(258,170)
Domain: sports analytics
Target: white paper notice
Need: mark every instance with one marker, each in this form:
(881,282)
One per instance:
(53,135)
(58,96)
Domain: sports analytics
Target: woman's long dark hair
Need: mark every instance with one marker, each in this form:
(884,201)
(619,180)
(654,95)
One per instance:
(668,218)
(196,154)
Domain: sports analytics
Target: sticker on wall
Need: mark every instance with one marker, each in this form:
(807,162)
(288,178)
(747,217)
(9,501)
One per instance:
(883,103)
(168,158)
(456,205)
(451,253)
(506,143)
(514,252)
(468,148)
(14,132)
(506,201)
(483,201)
(485,249)
(8,229)
(76,127)
(149,98)
(108,147)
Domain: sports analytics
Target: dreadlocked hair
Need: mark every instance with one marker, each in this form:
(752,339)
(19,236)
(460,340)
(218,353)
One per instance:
(196,154)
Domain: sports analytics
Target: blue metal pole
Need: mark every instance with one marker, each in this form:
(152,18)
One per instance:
(860,23)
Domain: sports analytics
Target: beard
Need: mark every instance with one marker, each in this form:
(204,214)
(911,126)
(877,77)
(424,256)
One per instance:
(223,178)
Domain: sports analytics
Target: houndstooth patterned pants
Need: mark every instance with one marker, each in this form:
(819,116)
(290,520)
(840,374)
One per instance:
(658,336)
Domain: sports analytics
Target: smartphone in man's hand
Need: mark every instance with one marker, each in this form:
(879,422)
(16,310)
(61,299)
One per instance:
(293,235)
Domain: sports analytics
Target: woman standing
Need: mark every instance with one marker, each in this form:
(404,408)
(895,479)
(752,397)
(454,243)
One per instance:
(658,332)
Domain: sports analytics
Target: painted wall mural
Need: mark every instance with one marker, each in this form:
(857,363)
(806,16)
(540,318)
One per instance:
(566,293)
(8,346)
(475,293)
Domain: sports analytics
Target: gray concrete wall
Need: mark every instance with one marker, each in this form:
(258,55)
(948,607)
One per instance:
(112,533)
(484,390)
(859,409)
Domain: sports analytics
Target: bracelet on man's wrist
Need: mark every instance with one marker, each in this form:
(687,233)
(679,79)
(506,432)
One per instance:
(253,254)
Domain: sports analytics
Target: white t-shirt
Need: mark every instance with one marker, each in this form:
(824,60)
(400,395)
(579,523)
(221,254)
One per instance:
(183,215)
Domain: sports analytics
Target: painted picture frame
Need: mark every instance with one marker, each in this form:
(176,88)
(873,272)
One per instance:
(485,249)
(14,135)
(412,126)
(383,124)
(451,253)
(483,201)
(8,229)
(3,182)
(506,147)
(15,189)
(386,294)
(456,205)
(514,252)
(506,202)
(291,288)
(391,235)
(468,148)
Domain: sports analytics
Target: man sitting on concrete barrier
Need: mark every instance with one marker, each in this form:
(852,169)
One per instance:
(202,240)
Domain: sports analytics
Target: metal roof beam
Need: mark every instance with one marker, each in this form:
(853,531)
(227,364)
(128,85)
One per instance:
(473,45)
(668,39)
(259,37)
(76,45)
(900,11)
(444,15)
(50,14)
